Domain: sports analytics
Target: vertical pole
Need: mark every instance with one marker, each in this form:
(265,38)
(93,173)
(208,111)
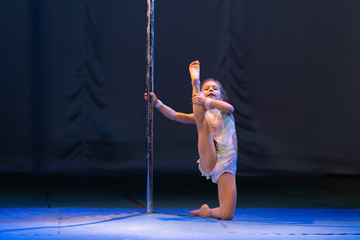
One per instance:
(149,106)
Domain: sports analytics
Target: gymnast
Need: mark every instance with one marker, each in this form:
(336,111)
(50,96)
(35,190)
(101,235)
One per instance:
(217,143)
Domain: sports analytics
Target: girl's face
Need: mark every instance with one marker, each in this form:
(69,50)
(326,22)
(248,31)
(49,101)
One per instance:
(211,89)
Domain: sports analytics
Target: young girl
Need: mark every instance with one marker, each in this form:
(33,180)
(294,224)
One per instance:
(217,144)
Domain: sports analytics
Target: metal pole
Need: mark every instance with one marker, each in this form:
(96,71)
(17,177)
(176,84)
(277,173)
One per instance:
(149,106)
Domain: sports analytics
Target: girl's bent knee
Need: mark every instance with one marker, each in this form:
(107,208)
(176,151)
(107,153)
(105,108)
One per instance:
(227,216)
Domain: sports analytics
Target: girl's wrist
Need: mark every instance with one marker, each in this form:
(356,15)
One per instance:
(208,101)
(158,104)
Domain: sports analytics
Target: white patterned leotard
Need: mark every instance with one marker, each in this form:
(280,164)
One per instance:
(222,128)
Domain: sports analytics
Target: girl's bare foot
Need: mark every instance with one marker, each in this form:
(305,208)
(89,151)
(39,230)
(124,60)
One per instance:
(204,211)
(194,69)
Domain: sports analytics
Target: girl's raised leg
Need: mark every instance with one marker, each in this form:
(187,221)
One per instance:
(206,146)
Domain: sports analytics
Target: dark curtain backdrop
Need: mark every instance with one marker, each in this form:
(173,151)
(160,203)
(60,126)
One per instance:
(72,79)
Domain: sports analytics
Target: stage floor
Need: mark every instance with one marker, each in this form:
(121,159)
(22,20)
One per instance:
(43,207)
(121,224)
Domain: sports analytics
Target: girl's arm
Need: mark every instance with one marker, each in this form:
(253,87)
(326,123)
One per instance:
(222,106)
(171,113)
(212,103)
(177,116)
